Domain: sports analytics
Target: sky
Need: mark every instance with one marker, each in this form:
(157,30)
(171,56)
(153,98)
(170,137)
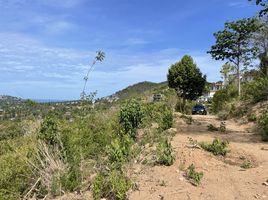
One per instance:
(46,46)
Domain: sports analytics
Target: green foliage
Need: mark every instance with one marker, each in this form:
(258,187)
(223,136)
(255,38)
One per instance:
(264,4)
(10,130)
(217,147)
(186,78)
(256,90)
(111,186)
(212,128)
(119,151)
(49,131)
(252,117)
(184,107)
(166,119)
(164,153)
(194,176)
(223,96)
(130,117)
(262,125)
(246,165)
(234,43)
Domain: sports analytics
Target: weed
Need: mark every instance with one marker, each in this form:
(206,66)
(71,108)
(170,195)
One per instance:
(212,128)
(113,185)
(217,147)
(252,117)
(164,153)
(246,165)
(262,125)
(222,127)
(194,176)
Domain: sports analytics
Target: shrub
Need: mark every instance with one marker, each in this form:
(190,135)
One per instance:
(262,125)
(130,117)
(252,117)
(212,128)
(194,176)
(164,153)
(119,151)
(10,130)
(49,131)
(222,96)
(223,115)
(256,90)
(111,186)
(185,109)
(217,147)
(222,127)
(166,120)
(246,165)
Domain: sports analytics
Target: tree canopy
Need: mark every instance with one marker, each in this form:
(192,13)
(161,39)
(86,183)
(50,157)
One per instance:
(264,4)
(186,78)
(234,43)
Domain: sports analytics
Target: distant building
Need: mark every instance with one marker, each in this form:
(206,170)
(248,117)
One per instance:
(157,97)
(212,89)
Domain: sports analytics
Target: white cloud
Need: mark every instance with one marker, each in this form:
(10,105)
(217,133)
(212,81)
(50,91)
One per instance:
(239,4)
(23,59)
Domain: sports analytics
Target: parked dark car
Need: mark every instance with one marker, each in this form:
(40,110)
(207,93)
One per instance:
(199,110)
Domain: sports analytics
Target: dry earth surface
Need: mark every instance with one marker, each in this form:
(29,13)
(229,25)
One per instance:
(223,179)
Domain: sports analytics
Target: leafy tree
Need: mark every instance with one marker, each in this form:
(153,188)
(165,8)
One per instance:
(186,78)
(264,4)
(261,43)
(234,44)
(225,71)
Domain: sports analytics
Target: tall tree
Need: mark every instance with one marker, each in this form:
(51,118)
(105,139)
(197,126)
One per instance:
(186,78)
(264,4)
(234,44)
(225,71)
(261,42)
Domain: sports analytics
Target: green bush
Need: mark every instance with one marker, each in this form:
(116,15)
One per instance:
(49,131)
(130,117)
(10,130)
(185,109)
(223,96)
(119,151)
(212,128)
(252,117)
(194,176)
(164,153)
(256,90)
(166,118)
(217,147)
(262,125)
(111,186)
(188,119)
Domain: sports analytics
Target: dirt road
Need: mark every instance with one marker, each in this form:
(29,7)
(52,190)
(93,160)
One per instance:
(224,179)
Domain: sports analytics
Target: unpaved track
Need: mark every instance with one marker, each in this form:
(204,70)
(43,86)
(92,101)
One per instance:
(223,178)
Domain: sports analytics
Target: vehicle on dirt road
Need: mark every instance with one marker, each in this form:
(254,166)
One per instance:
(199,110)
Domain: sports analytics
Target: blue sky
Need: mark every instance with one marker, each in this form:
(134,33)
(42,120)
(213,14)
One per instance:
(46,45)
